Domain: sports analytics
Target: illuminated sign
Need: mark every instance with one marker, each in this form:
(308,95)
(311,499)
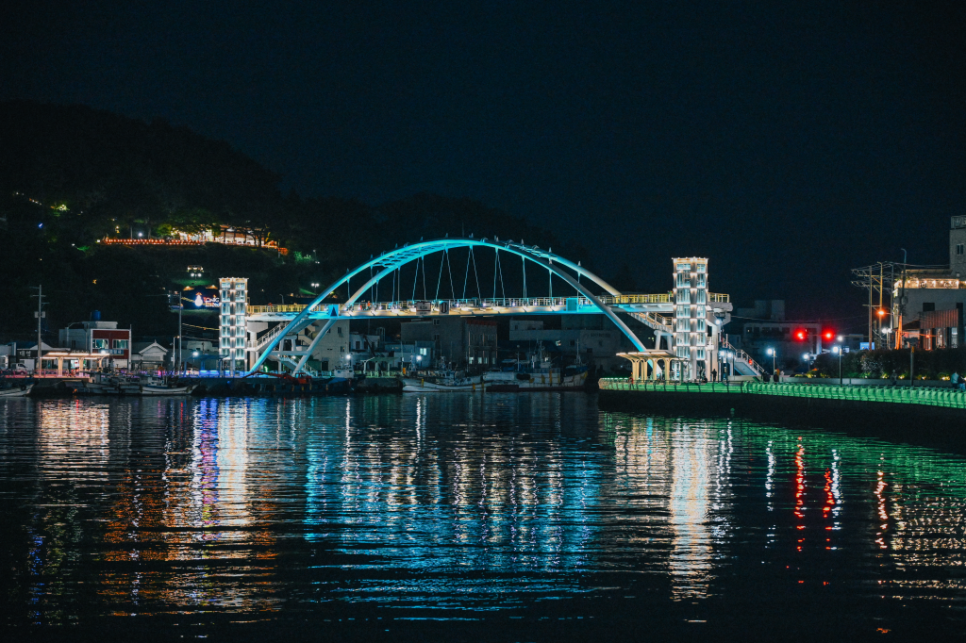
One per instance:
(205,300)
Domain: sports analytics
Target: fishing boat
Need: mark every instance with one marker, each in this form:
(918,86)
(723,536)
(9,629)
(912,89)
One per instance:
(159,386)
(15,390)
(535,375)
(447,382)
(127,385)
(98,384)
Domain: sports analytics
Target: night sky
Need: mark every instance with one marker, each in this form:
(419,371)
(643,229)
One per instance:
(788,142)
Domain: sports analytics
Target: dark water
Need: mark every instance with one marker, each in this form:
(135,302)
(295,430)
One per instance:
(512,517)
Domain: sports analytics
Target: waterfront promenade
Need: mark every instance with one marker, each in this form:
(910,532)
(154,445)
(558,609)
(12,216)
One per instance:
(924,415)
(925,396)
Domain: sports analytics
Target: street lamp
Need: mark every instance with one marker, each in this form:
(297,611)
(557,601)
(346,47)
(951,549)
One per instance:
(774,367)
(837,350)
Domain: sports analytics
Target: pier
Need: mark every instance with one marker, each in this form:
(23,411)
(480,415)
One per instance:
(915,414)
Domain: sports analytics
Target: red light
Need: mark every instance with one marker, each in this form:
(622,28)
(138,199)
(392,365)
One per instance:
(828,335)
(801,335)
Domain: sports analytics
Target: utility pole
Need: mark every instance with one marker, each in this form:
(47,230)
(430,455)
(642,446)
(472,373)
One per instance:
(40,319)
(902,301)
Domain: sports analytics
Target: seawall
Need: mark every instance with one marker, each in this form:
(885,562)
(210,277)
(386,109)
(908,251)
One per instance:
(929,424)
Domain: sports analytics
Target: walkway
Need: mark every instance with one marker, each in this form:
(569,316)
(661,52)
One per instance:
(946,398)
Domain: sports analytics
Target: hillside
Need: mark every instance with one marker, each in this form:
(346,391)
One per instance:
(70,175)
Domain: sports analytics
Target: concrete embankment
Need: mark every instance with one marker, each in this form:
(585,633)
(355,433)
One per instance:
(936,417)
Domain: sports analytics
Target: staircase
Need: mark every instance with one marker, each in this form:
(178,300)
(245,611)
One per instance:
(655,321)
(272,333)
(744,364)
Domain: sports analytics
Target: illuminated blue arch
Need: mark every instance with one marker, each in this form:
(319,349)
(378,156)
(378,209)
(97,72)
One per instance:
(387,262)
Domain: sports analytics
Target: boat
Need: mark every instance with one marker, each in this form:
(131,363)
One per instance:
(514,375)
(448,382)
(127,385)
(159,386)
(98,384)
(23,390)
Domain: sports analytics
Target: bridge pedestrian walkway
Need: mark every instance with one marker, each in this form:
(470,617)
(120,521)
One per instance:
(883,394)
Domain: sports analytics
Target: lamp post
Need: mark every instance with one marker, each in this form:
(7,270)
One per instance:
(838,350)
(774,367)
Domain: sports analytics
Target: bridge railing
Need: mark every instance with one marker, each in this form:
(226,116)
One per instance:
(619,384)
(484,303)
(887,394)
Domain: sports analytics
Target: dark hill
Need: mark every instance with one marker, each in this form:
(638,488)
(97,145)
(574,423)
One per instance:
(70,175)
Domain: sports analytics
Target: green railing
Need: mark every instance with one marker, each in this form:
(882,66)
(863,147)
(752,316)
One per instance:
(888,394)
(614,384)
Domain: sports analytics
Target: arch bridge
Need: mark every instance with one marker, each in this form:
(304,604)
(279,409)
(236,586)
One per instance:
(686,321)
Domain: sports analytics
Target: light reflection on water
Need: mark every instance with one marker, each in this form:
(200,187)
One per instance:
(455,505)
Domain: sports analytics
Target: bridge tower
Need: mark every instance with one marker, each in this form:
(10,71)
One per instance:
(692,345)
(233,323)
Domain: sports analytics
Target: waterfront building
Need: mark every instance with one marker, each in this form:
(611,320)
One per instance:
(101,337)
(582,335)
(148,356)
(930,300)
(457,341)
(417,353)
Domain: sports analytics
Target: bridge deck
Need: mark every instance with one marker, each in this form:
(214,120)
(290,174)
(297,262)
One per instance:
(662,303)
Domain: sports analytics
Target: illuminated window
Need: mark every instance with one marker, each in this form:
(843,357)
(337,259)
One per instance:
(101,343)
(120,343)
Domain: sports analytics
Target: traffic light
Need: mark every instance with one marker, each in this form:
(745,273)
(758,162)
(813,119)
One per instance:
(800,334)
(828,334)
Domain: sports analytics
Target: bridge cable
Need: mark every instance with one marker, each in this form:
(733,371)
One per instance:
(466,277)
(415,278)
(550,273)
(424,278)
(496,262)
(524,262)
(439,279)
(476,274)
(449,267)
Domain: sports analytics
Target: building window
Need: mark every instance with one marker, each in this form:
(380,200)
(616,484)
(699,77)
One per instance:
(120,343)
(423,351)
(100,343)
(960,248)
(928,306)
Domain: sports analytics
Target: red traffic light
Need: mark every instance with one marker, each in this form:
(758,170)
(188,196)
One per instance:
(828,335)
(800,334)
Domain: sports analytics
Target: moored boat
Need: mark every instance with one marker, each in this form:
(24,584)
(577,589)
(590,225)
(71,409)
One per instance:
(158,386)
(21,390)
(448,382)
(516,376)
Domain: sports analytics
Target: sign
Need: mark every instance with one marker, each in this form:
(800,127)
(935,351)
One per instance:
(424,307)
(203,300)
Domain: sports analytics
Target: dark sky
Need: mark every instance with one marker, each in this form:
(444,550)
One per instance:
(788,142)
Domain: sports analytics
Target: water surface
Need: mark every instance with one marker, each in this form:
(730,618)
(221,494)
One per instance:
(504,517)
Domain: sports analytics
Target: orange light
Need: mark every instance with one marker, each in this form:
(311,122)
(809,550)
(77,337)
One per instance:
(881,312)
